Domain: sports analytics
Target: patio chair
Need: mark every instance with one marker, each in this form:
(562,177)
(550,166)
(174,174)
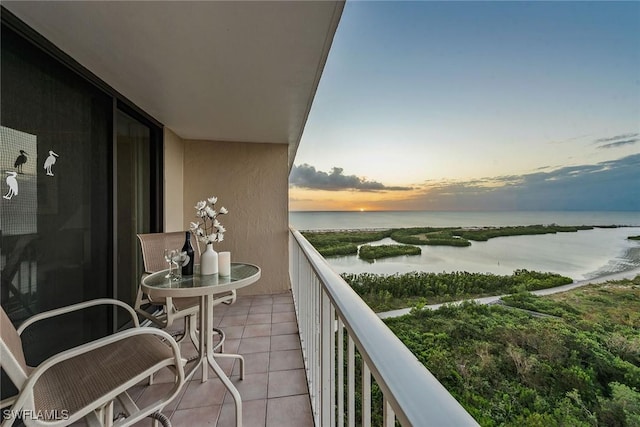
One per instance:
(171,309)
(83,382)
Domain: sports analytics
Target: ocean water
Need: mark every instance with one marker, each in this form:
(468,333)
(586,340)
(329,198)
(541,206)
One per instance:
(401,219)
(582,255)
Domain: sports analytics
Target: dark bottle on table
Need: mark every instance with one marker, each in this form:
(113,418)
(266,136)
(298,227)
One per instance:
(187,269)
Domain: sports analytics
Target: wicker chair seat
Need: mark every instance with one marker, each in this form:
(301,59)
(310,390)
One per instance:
(76,383)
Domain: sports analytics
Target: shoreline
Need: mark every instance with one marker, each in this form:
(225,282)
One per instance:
(630,274)
(380,220)
(475,227)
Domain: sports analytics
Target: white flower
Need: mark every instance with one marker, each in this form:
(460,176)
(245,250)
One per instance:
(209,230)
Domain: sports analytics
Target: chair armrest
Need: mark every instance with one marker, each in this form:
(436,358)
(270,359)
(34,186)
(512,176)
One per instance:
(79,306)
(27,389)
(8,401)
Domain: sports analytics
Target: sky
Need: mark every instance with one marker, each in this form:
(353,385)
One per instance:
(477,105)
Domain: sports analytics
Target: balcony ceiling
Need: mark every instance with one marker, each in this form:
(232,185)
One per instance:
(209,70)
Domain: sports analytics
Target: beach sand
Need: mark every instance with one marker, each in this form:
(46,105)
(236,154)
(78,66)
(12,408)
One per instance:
(615,276)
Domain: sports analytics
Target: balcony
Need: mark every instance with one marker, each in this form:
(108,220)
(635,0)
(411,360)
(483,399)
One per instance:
(274,391)
(295,345)
(315,352)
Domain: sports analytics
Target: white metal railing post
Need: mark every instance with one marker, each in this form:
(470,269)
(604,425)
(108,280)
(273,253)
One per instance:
(326,356)
(340,367)
(351,382)
(317,343)
(366,395)
(388,417)
(332,365)
(313,343)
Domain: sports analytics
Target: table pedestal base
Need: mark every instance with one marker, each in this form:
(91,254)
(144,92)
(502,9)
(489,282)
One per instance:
(207,356)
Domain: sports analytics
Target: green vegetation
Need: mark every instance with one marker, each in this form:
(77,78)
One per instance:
(429,236)
(384,293)
(339,249)
(484,234)
(508,368)
(461,236)
(368,252)
(633,237)
(332,243)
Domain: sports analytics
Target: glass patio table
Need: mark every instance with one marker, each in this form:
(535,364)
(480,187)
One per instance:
(205,287)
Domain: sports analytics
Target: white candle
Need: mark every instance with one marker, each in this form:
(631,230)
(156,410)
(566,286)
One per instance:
(224,263)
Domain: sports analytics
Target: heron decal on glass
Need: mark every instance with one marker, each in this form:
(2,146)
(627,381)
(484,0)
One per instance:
(20,160)
(12,182)
(51,160)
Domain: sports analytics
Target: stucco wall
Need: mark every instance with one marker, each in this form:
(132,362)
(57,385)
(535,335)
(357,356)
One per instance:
(251,181)
(173,181)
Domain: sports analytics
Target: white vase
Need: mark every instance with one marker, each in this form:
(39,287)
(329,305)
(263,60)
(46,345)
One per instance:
(209,261)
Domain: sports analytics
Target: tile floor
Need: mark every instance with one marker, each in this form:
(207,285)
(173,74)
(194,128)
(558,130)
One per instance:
(274,392)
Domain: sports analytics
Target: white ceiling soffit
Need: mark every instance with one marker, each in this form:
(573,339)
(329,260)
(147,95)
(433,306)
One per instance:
(213,70)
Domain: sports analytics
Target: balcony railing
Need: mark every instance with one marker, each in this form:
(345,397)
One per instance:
(327,310)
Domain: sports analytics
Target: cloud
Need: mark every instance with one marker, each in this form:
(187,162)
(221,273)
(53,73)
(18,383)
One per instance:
(620,143)
(606,186)
(617,137)
(618,140)
(306,176)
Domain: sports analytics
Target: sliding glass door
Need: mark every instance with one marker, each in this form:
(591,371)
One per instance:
(134,189)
